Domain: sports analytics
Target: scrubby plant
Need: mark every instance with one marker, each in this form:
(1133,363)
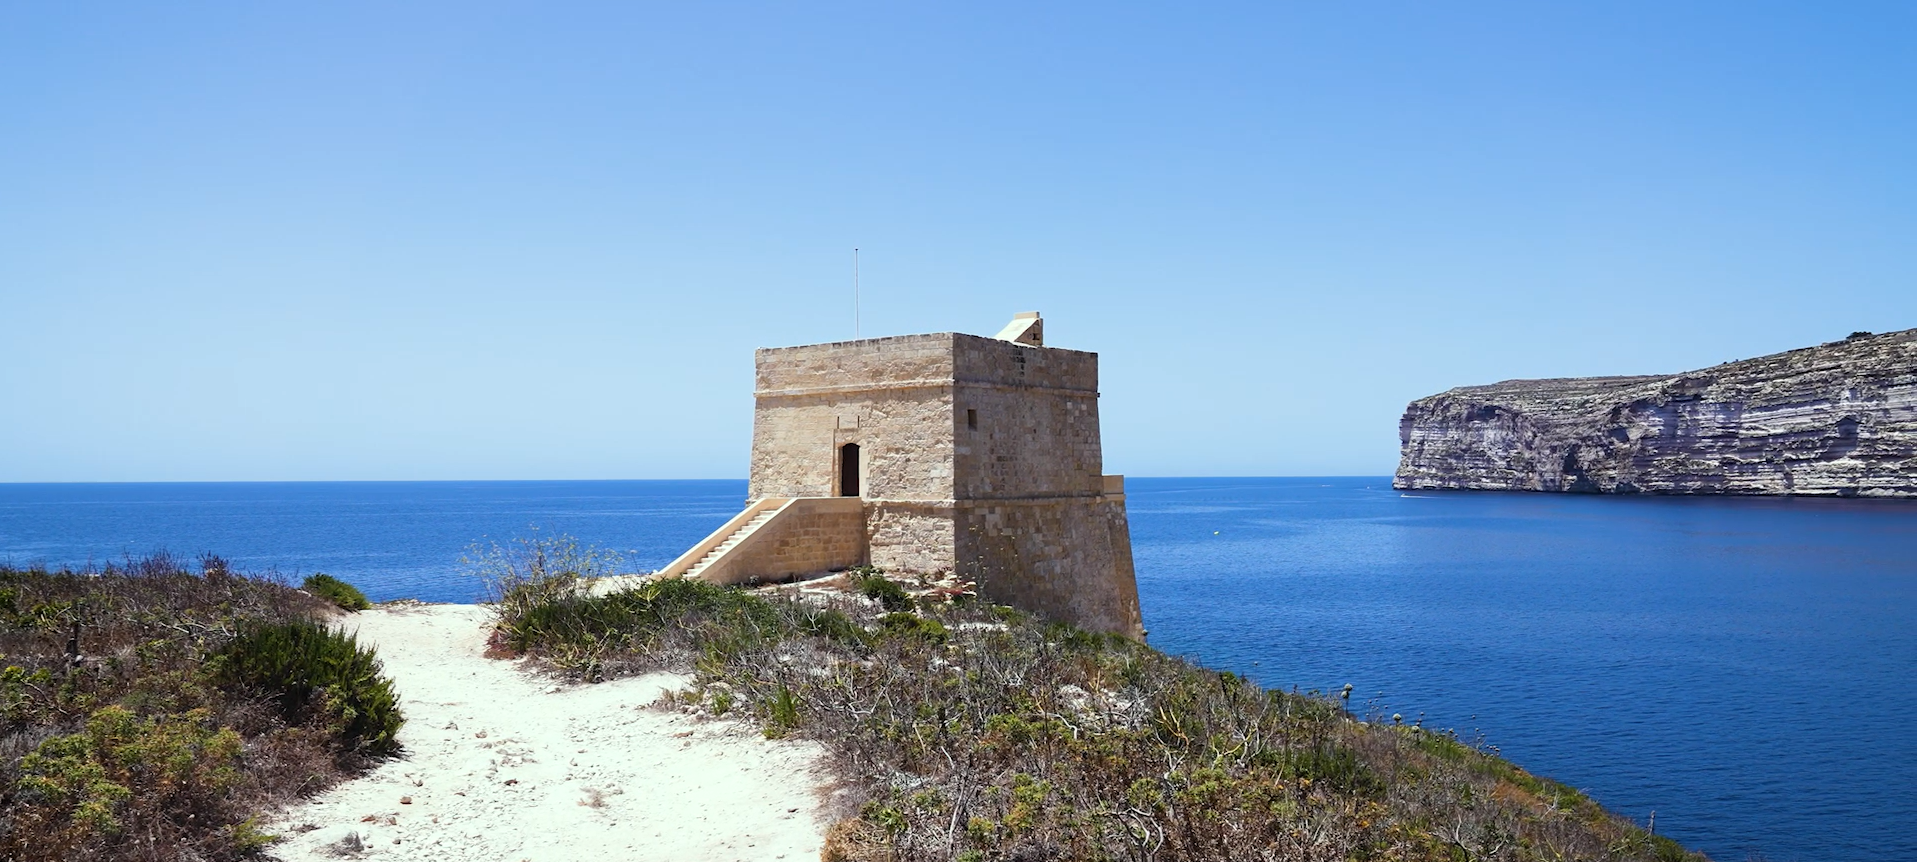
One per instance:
(629,630)
(76,787)
(528,572)
(904,625)
(315,673)
(341,593)
(781,713)
(976,732)
(871,582)
(119,737)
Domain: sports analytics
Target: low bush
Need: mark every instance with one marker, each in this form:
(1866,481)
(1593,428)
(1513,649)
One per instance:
(904,625)
(975,732)
(80,790)
(123,736)
(871,582)
(637,629)
(341,593)
(317,675)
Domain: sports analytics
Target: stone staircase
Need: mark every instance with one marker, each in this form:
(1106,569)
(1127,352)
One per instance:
(777,538)
(732,541)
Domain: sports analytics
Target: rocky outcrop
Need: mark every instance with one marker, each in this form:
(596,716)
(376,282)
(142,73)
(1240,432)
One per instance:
(1839,419)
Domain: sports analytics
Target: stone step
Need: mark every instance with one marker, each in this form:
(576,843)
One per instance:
(731,541)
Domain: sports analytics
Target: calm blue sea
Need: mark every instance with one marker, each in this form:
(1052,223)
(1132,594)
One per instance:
(1741,667)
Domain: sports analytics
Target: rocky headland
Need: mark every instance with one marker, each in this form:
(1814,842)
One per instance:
(1838,419)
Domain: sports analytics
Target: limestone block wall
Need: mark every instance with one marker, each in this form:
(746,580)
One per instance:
(1025,421)
(1068,559)
(891,396)
(911,537)
(860,364)
(978,456)
(813,536)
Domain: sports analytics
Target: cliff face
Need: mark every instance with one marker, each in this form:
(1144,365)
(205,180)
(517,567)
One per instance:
(1839,419)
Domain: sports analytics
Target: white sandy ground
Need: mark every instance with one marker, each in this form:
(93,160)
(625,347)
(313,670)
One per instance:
(502,764)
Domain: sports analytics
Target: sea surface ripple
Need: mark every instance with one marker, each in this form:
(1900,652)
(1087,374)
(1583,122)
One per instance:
(1740,667)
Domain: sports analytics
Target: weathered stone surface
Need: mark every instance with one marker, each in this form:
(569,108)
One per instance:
(1069,559)
(816,535)
(891,396)
(1839,419)
(972,455)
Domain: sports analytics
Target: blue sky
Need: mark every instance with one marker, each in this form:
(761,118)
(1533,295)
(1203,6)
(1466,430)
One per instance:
(480,240)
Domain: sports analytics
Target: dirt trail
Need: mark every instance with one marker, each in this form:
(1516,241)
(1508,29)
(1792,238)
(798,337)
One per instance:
(504,765)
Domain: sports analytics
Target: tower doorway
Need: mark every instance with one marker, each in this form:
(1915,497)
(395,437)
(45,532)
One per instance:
(849,470)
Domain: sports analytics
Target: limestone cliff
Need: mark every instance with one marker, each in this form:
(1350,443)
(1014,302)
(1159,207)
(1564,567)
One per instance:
(1839,419)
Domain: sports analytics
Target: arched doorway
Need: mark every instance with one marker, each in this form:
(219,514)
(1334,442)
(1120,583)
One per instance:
(849,470)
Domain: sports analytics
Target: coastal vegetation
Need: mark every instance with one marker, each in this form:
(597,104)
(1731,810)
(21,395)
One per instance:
(153,712)
(346,596)
(971,731)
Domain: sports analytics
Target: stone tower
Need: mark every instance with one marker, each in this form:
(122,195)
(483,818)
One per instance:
(934,454)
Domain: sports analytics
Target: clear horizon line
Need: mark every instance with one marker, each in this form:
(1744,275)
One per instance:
(709,479)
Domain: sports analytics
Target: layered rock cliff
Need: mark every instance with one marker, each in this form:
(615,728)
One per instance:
(1839,419)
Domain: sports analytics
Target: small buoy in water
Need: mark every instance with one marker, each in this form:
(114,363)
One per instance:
(1214,532)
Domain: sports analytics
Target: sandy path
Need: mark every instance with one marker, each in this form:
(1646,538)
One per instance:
(504,765)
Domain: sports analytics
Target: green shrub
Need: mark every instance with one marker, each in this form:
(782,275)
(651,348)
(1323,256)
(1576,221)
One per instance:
(782,713)
(136,750)
(871,582)
(1333,763)
(20,689)
(174,765)
(334,590)
(312,671)
(629,614)
(831,624)
(580,633)
(903,625)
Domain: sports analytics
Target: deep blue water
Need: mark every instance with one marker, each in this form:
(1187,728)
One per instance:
(1742,667)
(391,539)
